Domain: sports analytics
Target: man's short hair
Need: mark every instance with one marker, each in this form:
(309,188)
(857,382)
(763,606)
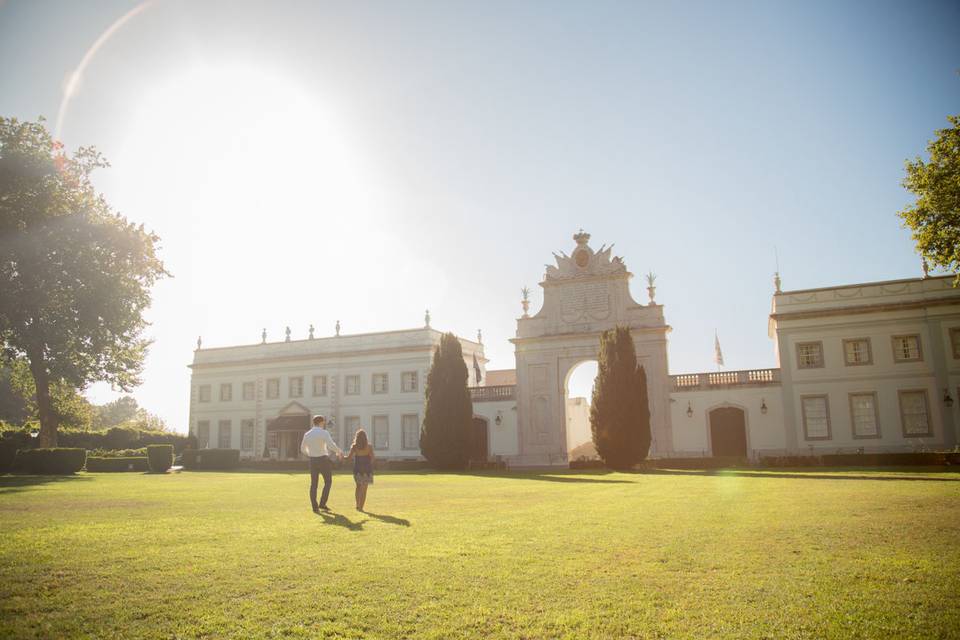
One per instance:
(318,419)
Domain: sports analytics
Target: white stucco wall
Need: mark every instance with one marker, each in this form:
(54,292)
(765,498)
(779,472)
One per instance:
(502,438)
(691,435)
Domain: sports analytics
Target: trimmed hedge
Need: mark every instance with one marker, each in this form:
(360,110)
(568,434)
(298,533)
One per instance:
(210,459)
(138,463)
(60,461)
(917,459)
(117,453)
(112,439)
(160,457)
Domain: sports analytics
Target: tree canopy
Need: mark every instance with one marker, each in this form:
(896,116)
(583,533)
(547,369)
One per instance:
(619,409)
(75,276)
(934,218)
(448,410)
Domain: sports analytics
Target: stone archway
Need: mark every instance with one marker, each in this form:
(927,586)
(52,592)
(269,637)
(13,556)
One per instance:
(585,294)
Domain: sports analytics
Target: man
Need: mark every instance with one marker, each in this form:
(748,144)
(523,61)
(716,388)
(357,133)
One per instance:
(316,445)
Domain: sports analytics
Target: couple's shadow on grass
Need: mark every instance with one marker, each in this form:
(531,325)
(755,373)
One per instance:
(340,520)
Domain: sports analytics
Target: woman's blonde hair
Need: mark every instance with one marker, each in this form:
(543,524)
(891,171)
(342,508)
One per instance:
(359,440)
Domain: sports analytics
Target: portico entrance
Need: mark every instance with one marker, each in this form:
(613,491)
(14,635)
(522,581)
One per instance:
(285,432)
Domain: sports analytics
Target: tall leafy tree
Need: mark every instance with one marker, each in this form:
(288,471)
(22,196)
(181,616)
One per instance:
(448,409)
(934,218)
(619,411)
(75,276)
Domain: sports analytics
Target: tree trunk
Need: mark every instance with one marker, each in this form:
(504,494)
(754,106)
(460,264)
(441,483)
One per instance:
(48,421)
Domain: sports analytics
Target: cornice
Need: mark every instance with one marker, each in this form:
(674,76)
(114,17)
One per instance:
(865,308)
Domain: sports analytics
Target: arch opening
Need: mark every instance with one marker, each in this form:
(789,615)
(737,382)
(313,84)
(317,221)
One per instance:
(578,391)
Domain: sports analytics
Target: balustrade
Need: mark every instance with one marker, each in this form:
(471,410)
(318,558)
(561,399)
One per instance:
(725,379)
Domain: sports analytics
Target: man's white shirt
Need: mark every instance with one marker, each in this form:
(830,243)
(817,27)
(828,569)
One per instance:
(318,442)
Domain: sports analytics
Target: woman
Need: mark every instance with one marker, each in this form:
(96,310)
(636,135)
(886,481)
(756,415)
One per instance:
(362,454)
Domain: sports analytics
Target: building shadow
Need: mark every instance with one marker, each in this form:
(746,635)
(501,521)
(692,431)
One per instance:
(800,475)
(15,483)
(403,522)
(340,520)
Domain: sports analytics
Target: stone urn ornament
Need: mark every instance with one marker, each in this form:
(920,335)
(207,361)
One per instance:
(651,287)
(525,301)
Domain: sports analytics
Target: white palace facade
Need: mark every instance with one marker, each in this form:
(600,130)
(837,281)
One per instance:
(871,367)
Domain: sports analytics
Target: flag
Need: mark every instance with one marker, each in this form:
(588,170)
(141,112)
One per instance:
(476,368)
(717,353)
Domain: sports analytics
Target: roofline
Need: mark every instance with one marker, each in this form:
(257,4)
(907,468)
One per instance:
(335,337)
(862,284)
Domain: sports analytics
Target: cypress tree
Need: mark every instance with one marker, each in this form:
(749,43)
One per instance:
(619,410)
(448,409)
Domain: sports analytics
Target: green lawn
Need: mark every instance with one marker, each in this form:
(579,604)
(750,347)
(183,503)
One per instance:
(663,555)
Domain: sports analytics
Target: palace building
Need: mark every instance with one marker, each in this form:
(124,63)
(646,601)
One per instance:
(871,367)
(260,398)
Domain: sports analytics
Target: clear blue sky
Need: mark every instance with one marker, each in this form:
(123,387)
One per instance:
(480,136)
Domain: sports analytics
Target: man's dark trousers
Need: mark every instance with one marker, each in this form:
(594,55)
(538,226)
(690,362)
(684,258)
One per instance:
(320,466)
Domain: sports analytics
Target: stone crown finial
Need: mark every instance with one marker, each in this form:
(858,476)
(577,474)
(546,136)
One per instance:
(582,237)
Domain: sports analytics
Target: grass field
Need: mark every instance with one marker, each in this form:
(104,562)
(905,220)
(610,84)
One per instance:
(802,554)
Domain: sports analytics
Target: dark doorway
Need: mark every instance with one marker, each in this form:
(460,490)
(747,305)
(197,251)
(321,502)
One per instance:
(728,432)
(478,440)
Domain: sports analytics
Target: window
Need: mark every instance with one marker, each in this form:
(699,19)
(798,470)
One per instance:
(249,390)
(380,383)
(915,414)
(273,388)
(203,393)
(226,392)
(411,431)
(296,387)
(273,440)
(351,424)
(352,384)
(246,435)
(857,351)
(809,355)
(224,434)
(863,415)
(906,349)
(319,385)
(203,434)
(955,342)
(409,381)
(381,432)
(816,417)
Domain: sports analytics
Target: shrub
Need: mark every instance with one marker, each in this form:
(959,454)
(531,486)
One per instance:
(160,457)
(448,410)
(138,463)
(619,409)
(8,451)
(210,459)
(58,461)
